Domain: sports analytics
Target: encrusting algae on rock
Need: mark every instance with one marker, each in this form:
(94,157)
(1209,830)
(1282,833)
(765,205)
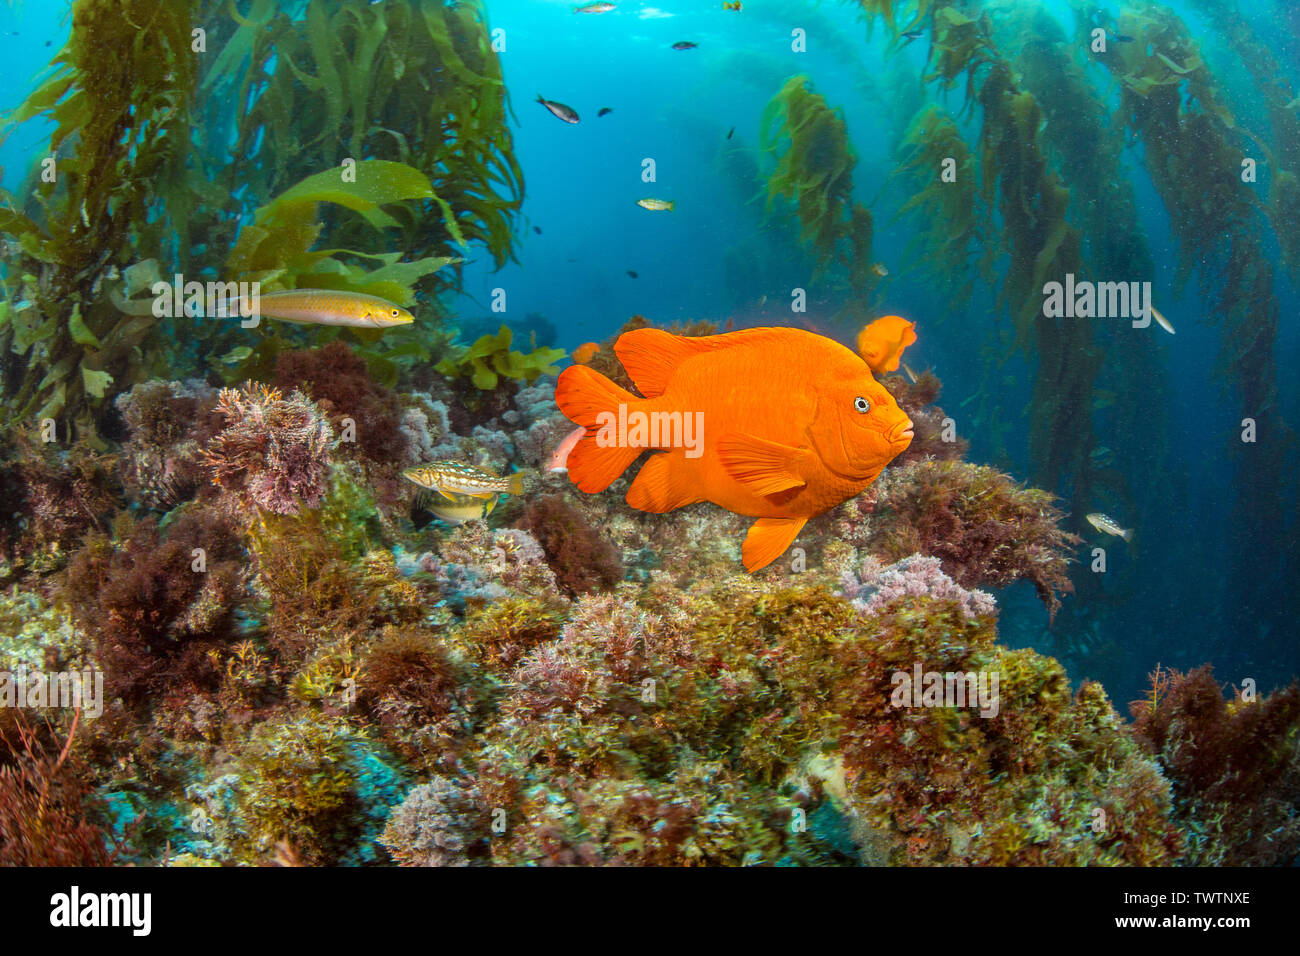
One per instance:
(600,675)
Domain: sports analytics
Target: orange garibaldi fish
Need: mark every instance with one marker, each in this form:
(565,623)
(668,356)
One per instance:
(779,424)
(881,343)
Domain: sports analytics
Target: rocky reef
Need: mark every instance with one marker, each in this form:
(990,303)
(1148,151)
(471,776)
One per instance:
(295,674)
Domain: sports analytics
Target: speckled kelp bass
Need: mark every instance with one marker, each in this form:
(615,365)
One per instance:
(299,671)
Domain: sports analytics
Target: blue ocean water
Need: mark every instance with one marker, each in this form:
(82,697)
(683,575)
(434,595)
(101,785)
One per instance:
(1172,598)
(1191,589)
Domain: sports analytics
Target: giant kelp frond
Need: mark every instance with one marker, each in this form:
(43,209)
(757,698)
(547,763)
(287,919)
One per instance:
(120,100)
(276,250)
(899,15)
(960,46)
(416,83)
(1082,359)
(815,173)
(949,211)
(1030,197)
(1194,146)
(276,247)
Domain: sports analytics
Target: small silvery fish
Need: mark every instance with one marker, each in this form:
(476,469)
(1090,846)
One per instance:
(684,45)
(1161,320)
(594,8)
(450,478)
(1108,525)
(559,110)
(656,205)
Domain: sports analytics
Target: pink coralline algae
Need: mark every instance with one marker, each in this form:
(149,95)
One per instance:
(483,564)
(169,422)
(274,451)
(438,824)
(915,576)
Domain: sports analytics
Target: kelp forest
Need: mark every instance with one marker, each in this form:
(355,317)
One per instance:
(378,541)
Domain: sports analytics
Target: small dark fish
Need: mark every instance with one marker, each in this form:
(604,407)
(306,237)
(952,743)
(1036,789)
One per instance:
(420,514)
(731,132)
(914,34)
(684,45)
(631,273)
(1120,37)
(559,110)
(537,229)
(604,111)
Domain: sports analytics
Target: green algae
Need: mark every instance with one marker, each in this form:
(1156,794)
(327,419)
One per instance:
(949,211)
(773,677)
(490,359)
(413,83)
(318,786)
(121,122)
(129,187)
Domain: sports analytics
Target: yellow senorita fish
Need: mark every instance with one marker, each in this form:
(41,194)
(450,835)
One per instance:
(323,307)
(452,478)
(656,205)
(303,306)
